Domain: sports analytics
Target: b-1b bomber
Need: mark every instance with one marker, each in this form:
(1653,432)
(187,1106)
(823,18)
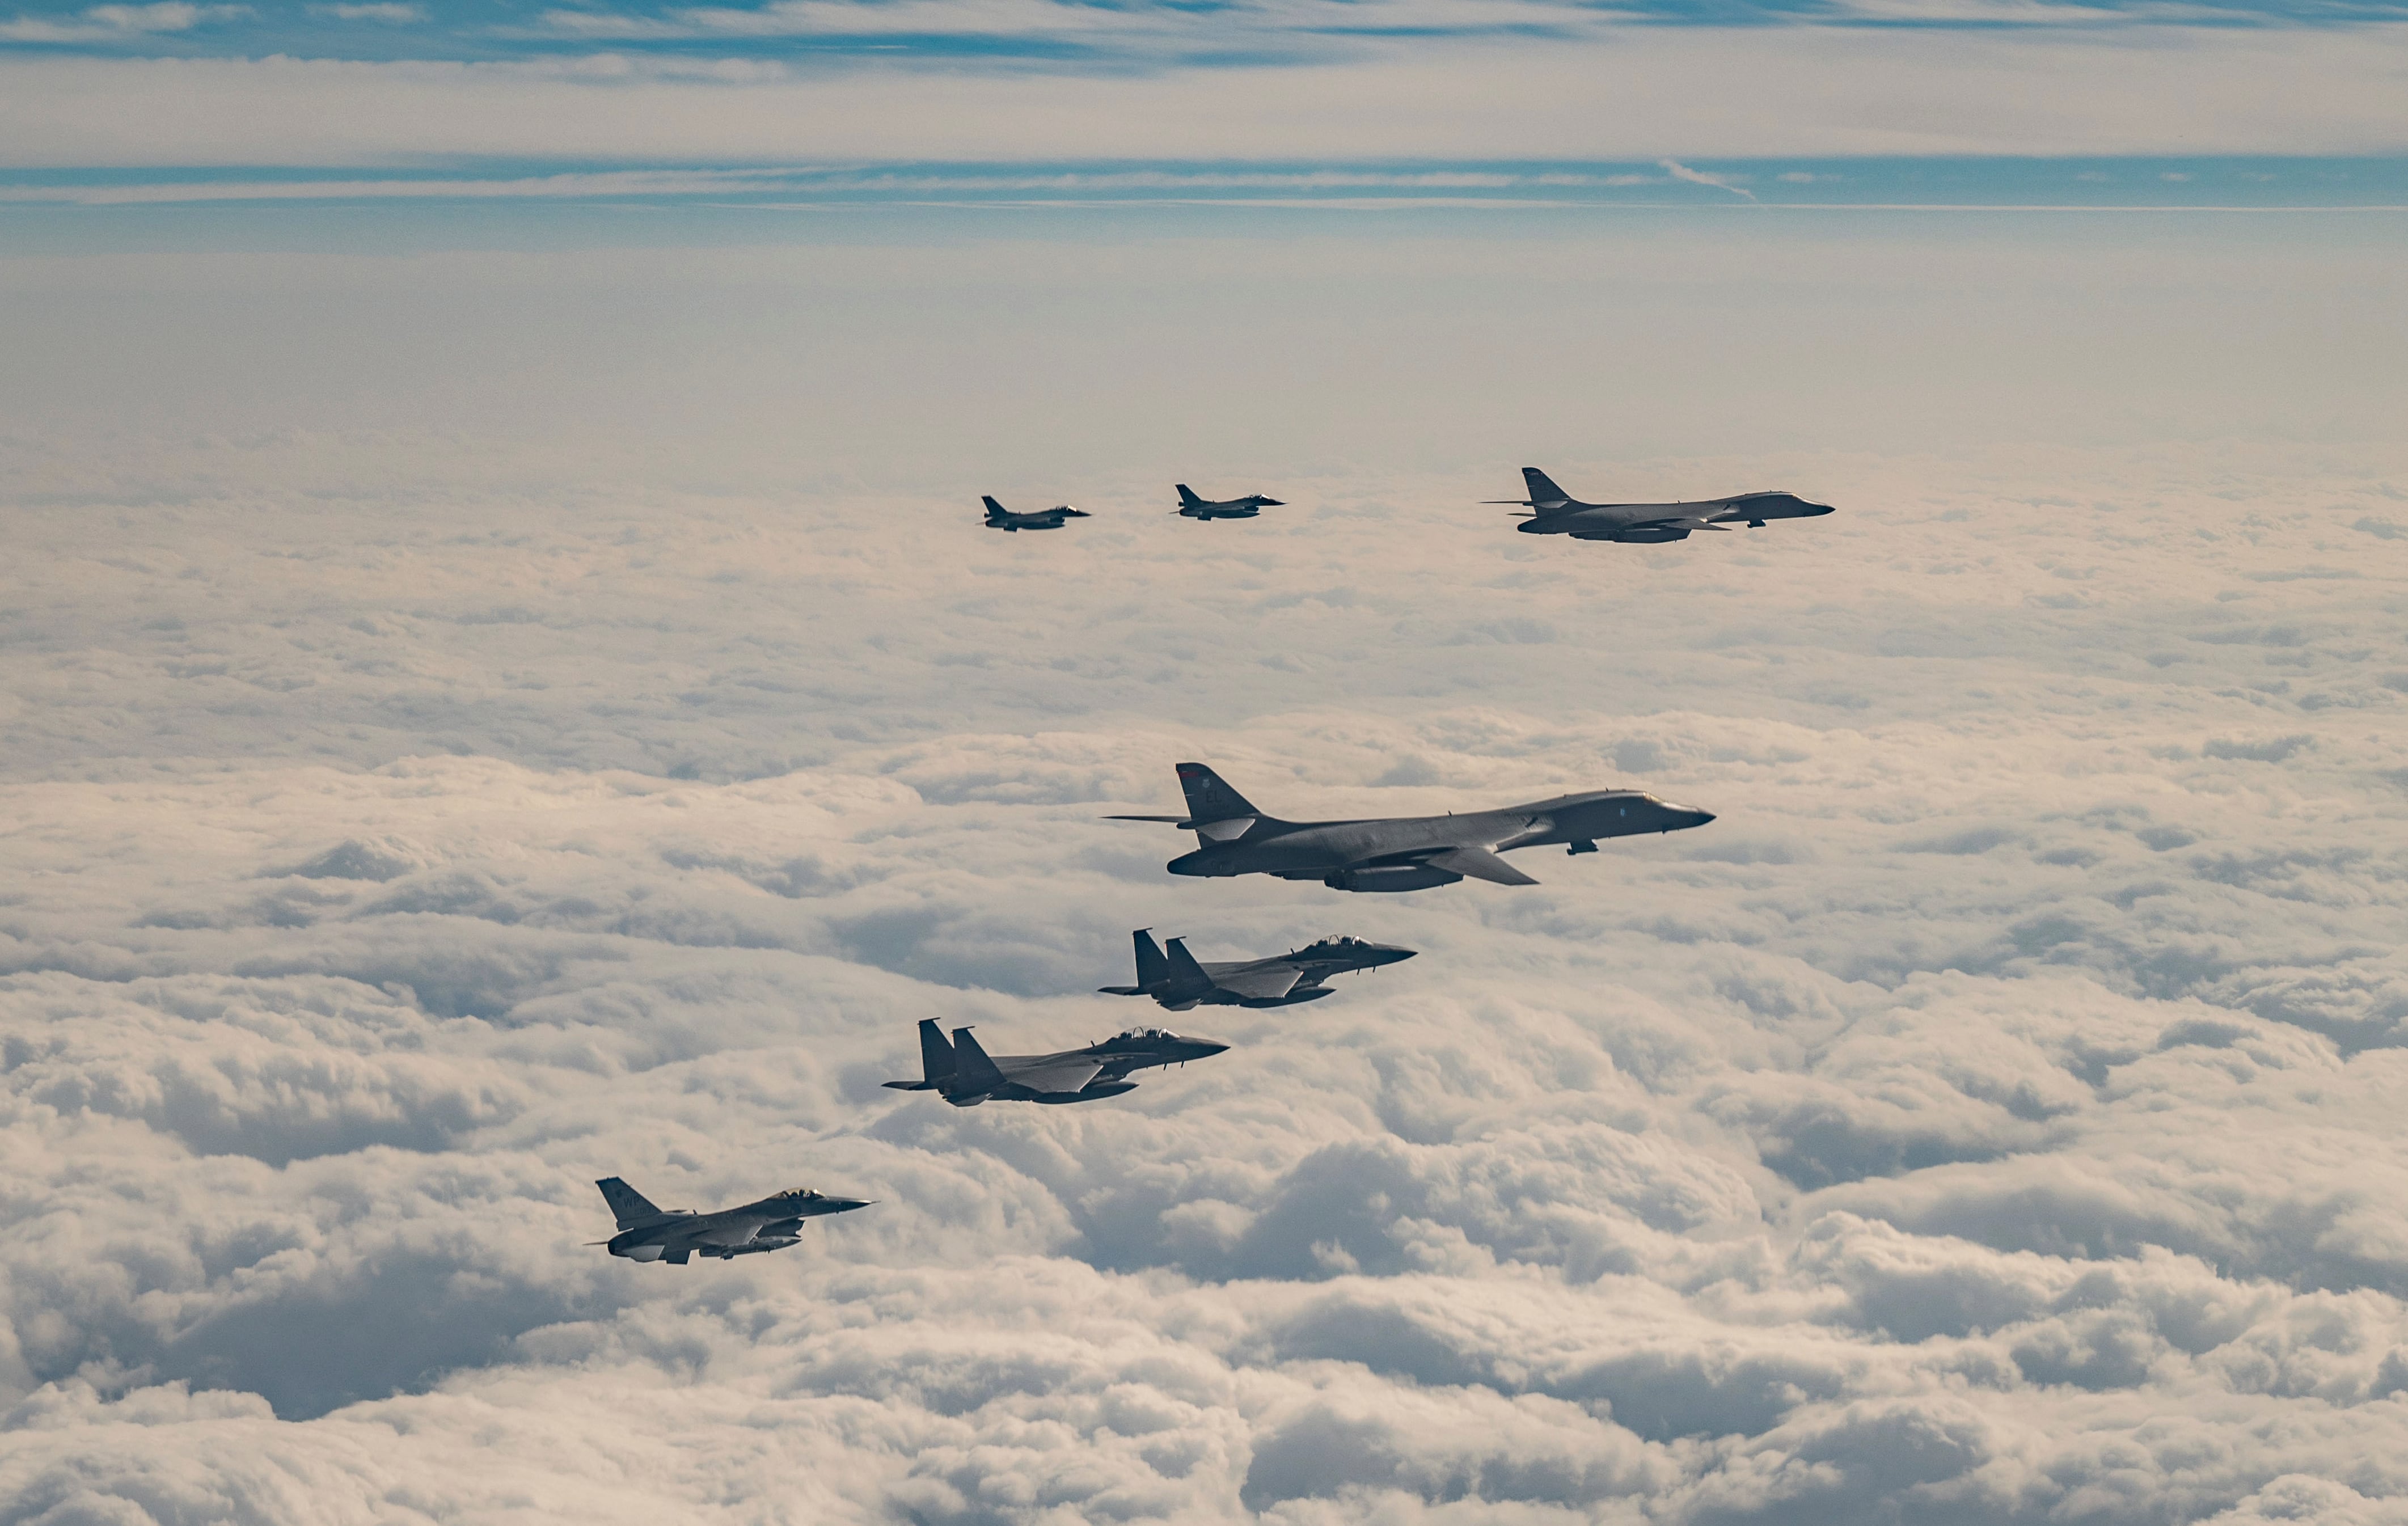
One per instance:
(1403,852)
(1555,512)
(1179,981)
(965,1075)
(647,1232)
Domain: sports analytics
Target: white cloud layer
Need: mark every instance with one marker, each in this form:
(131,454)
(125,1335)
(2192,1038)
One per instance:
(1989,1116)
(425,790)
(1637,93)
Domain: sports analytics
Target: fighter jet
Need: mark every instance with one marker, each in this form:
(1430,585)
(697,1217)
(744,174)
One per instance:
(1179,982)
(1000,518)
(1193,508)
(1402,852)
(648,1233)
(965,1075)
(1555,512)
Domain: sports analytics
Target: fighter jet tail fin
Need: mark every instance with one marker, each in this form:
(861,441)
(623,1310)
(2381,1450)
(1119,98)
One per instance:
(627,1205)
(971,1064)
(1217,811)
(1152,968)
(937,1060)
(1187,498)
(1186,973)
(993,508)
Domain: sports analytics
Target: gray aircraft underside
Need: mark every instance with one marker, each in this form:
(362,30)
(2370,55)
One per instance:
(647,1232)
(1177,980)
(1404,853)
(965,1075)
(1193,508)
(1000,518)
(1555,512)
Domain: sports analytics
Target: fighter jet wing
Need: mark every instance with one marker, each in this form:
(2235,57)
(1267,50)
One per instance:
(1479,863)
(1055,1072)
(1266,984)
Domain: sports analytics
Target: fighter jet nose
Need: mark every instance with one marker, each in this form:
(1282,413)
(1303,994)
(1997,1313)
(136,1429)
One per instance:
(1699,818)
(1206,1048)
(846,1204)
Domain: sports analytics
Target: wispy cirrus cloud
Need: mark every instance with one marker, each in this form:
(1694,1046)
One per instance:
(107,23)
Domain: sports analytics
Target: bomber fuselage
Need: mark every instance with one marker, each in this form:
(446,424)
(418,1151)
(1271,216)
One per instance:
(1320,849)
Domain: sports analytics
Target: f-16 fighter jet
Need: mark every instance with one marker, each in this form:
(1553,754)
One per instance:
(1402,852)
(648,1233)
(1000,518)
(1193,508)
(1555,512)
(1179,982)
(965,1075)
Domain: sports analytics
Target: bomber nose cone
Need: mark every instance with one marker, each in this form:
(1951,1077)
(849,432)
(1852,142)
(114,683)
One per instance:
(1696,819)
(1819,508)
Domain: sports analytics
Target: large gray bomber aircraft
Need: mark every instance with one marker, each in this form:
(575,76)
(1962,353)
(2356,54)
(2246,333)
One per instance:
(650,1233)
(1555,512)
(965,1075)
(1000,518)
(1193,508)
(1402,852)
(1179,981)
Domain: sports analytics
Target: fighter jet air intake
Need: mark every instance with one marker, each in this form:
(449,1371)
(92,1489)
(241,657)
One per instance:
(1193,508)
(647,1232)
(1402,852)
(965,1075)
(1179,982)
(1555,512)
(1000,518)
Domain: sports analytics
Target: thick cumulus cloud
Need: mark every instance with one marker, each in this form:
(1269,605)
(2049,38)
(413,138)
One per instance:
(1990,1117)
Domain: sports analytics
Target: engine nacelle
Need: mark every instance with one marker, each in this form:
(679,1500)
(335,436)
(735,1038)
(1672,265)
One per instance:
(1642,537)
(1402,876)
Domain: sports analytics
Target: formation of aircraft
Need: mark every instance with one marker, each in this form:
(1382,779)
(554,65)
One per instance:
(1403,852)
(1178,981)
(675,1236)
(1555,512)
(1234,837)
(965,1075)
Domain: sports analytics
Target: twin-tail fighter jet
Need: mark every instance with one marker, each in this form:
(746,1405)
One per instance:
(965,1075)
(1178,981)
(1402,852)
(674,1235)
(1193,508)
(1000,518)
(1555,512)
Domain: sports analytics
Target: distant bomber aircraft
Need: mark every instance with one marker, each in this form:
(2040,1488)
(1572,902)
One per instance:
(1555,512)
(648,1233)
(1402,852)
(1193,508)
(1179,982)
(1000,518)
(965,1075)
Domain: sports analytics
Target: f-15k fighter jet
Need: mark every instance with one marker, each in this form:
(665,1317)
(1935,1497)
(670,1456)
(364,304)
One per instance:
(1179,982)
(674,1235)
(1193,508)
(1555,512)
(965,1075)
(1402,852)
(1000,518)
